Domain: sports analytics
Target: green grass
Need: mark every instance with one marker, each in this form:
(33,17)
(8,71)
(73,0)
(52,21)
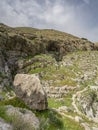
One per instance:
(37,70)
(65,75)
(66,81)
(53,103)
(3,113)
(46,33)
(44,57)
(16,102)
(60,75)
(71,125)
(16,121)
(51,120)
(89,82)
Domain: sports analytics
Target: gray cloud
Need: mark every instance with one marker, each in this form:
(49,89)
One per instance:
(66,15)
(87,1)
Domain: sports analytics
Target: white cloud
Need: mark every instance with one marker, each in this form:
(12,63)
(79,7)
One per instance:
(56,15)
(50,14)
(11,16)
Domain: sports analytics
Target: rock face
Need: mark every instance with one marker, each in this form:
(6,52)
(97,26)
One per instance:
(5,74)
(89,104)
(4,125)
(29,89)
(45,53)
(17,43)
(40,41)
(20,43)
(24,117)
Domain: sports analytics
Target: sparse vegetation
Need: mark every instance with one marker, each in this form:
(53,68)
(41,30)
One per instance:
(2,75)
(16,121)
(52,120)
(19,124)
(3,113)
(56,103)
(16,102)
(61,61)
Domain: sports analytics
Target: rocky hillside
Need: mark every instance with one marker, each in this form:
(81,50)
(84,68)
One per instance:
(49,78)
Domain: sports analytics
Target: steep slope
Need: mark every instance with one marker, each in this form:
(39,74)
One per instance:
(17,43)
(65,65)
(33,41)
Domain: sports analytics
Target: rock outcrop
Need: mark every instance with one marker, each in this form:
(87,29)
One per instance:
(29,89)
(4,125)
(5,73)
(20,43)
(32,42)
(89,104)
(26,51)
(23,116)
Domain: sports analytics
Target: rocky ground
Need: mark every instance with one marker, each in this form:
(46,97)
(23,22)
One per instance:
(48,80)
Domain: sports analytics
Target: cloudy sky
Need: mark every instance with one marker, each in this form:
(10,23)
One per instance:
(78,17)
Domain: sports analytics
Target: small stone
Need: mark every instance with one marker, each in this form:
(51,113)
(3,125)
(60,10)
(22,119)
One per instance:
(78,119)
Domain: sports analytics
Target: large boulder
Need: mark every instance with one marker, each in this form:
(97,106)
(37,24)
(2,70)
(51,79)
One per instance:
(29,89)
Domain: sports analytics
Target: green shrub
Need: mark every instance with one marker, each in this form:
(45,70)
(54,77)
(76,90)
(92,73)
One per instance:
(55,120)
(44,124)
(50,120)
